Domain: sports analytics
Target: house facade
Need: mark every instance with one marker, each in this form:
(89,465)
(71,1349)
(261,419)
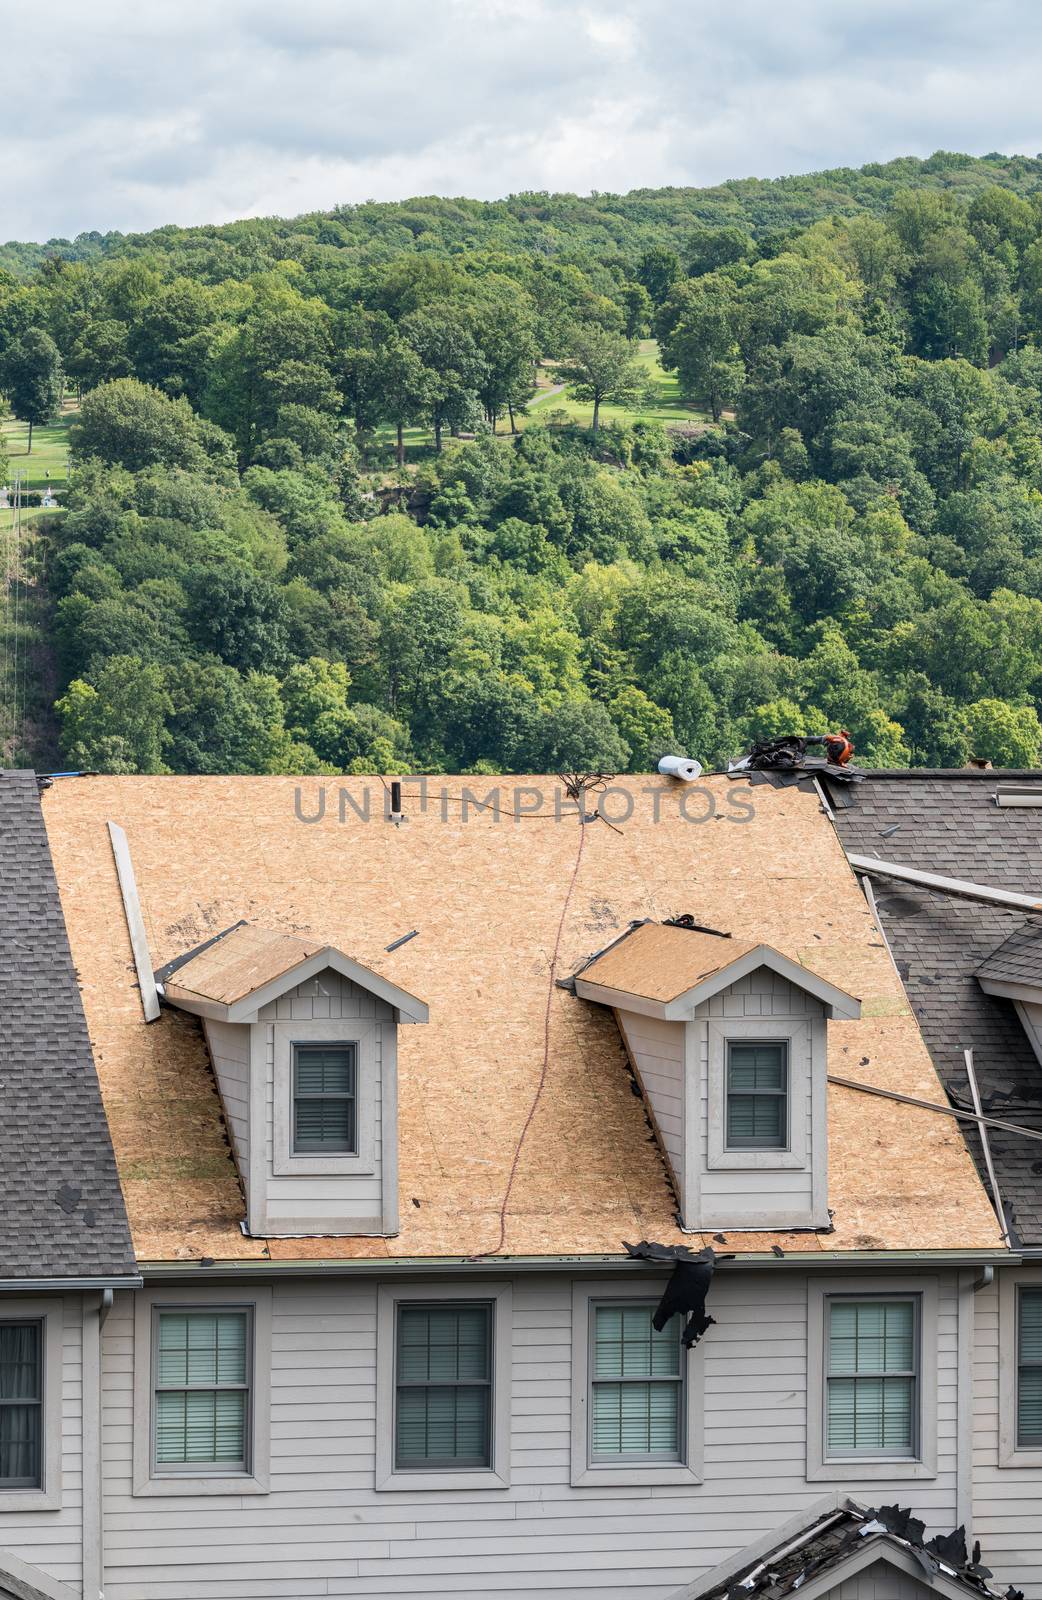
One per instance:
(412,1086)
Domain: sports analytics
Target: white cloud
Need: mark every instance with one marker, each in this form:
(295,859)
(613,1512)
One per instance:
(128,115)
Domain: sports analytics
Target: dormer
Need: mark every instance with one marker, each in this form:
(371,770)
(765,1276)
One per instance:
(728,1041)
(304,1043)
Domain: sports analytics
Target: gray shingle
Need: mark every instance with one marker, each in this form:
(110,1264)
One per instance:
(61,1208)
(1018,959)
(949,824)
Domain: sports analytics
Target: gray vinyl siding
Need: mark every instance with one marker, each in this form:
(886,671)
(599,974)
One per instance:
(1006,1500)
(656,1050)
(229,1044)
(325,1530)
(749,1197)
(311,1203)
(881,1581)
(52,1540)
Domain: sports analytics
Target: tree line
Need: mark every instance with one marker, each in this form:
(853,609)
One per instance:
(249,576)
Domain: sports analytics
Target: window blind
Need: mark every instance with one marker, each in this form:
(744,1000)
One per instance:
(21,1406)
(1029,1367)
(636,1385)
(872,1376)
(443,1392)
(201,1400)
(757,1096)
(324,1098)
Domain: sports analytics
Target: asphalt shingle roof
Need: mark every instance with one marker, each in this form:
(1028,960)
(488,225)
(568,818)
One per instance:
(949,823)
(61,1209)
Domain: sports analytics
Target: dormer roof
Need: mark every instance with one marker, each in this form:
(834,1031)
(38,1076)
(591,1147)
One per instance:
(229,978)
(664,970)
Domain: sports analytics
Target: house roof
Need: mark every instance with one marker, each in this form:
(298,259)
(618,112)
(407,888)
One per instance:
(818,1550)
(61,1211)
(672,968)
(949,823)
(240,970)
(1017,960)
(485,893)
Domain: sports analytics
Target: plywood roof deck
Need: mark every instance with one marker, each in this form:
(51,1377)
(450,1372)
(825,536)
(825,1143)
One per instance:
(485,895)
(661,962)
(242,962)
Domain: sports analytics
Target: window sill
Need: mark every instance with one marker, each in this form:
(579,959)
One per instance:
(871,1469)
(473,1478)
(1030,1456)
(630,1474)
(756,1161)
(222,1483)
(30,1500)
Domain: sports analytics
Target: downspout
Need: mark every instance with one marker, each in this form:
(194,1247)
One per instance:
(969,1288)
(93,1462)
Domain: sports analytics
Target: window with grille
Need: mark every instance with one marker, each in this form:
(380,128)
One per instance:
(325,1108)
(872,1378)
(202,1390)
(21,1405)
(443,1386)
(757,1096)
(636,1385)
(1029,1368)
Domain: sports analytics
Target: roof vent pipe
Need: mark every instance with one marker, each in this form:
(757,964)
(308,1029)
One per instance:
(394,813)
(682,767)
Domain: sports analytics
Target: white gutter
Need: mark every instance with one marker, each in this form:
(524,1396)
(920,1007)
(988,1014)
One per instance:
(958,887)
(93,1497)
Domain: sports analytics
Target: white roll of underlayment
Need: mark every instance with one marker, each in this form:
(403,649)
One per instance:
(682,767)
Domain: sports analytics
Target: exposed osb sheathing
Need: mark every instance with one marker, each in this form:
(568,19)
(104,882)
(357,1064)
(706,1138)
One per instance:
(660,963)
(241,963)
(486,897)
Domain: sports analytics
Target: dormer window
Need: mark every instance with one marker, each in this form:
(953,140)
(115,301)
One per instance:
(757,1095)
(304,1044)
(324,1099)
(728,1042)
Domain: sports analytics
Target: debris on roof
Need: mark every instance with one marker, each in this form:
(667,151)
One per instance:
(687,1288)
(838,1539)
(791,754)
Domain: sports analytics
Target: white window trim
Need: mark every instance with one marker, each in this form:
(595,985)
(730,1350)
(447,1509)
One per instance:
(1010,1284)
(50,1314)
(871,1469)
(584,1473)
(362,1033)
(797,1034)
(389,1297)
(148,1481)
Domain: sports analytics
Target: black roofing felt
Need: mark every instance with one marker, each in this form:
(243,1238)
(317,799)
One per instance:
(61,1208)
(949,823)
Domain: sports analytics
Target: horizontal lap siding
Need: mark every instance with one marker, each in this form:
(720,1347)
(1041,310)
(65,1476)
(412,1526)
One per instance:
(657,1051)
(324,1530)
(230,1052)
(1007,1501)
(52,1540)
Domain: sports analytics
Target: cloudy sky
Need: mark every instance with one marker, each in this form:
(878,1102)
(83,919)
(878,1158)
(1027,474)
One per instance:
(128,115)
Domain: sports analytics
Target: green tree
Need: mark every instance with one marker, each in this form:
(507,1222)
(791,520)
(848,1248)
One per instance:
(128,424)
(32,378)
(1007,735)
(602,366)
(118,722)
(407,389)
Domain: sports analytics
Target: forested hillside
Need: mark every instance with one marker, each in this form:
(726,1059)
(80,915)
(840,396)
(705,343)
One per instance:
(316,523)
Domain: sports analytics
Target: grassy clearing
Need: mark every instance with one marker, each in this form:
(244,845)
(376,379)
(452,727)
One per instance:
(667,406)
(48,464)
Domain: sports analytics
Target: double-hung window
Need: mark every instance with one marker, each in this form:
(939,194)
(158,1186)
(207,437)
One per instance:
(21,1405)
(872,1377)
(757,1096)
(1029,1369)
(443,1386)
(636,1386)
(325,1099)
(201,1391)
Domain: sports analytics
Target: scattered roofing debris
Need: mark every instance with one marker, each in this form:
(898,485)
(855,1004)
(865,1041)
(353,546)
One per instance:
(841,1539)
(957,956)
(790,754)
(135,922)
(396,944)
(959,887)
(687,1288)
(927,1105)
